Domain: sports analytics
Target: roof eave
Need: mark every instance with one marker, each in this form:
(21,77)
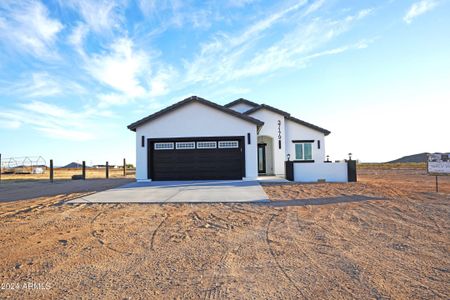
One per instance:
(241,100)
(135,125)
(269,108)
(309,125)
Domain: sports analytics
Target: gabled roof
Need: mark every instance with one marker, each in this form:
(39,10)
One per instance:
(309,125)
(241,101)
(288,117)
(268,107)
(192,99)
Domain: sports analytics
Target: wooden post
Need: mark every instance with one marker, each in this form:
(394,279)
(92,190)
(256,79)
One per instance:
(51,170)
(107,170)
(437,186)
(124,167)
(84,170)
(0,167)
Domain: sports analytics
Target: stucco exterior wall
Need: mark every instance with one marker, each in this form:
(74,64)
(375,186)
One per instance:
(270,128)
(197,120)
(295,131)
(312,172)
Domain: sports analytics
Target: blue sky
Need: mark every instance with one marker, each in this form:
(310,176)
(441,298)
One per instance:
(74,73)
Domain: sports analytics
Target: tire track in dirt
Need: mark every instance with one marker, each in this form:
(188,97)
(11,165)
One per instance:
(229,257)
(313,261)
(373,257)
(152,240)
(53,201)
(97,236)
(272,253)
(215,290)
(404,223)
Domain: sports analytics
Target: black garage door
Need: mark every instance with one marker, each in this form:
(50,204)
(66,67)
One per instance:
(196,158)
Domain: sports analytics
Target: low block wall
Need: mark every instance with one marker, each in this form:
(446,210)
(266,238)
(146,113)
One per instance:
(312,172)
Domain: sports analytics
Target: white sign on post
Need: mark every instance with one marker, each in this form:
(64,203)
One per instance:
(438,163)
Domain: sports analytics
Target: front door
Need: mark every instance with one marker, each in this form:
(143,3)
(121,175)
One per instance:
(261,158)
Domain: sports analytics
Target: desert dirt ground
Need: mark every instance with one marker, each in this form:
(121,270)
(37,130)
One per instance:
(67,173)
(386,236)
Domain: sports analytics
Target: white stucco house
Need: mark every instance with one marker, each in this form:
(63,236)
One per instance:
(199,139)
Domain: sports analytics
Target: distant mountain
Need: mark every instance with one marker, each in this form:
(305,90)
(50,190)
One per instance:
(415,158)
(72,165)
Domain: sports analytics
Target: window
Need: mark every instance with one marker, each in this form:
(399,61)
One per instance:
(143,141)
(303,151)
(163,146)
(206,145)
(185,145)
(228,144)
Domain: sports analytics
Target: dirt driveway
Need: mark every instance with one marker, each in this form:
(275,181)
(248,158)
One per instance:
(381,241)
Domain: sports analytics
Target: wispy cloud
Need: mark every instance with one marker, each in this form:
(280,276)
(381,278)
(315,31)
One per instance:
(230,57)
(160,83)
(130,73)
(121,68)
(178,14)
(240,3)
(418,9)
(77,38)
(27,27)
(51,120)
(42,84)
(100,16)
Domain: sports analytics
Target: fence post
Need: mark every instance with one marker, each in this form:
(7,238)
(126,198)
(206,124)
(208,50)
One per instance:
(51,170)
(351,170)
(289,170)
(124,167)
(107,170)
(84,170)
(0,167)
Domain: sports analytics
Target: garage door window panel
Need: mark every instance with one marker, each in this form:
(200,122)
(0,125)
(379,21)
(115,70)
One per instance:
(185,145)
(228,144)
(206,145)
(163,146)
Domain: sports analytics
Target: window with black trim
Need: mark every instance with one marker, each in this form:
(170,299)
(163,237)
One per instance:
(303,151)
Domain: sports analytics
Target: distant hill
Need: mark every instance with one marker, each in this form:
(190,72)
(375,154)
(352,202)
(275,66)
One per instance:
(72,165)
(415,158)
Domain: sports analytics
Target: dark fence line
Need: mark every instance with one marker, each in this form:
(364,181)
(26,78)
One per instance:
(81,176)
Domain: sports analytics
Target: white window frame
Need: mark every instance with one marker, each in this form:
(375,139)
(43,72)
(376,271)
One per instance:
(206,145)
(303,150)
(185,145)
(228,144)
(163,146)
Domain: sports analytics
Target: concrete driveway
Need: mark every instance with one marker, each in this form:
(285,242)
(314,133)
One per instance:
(180,192)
